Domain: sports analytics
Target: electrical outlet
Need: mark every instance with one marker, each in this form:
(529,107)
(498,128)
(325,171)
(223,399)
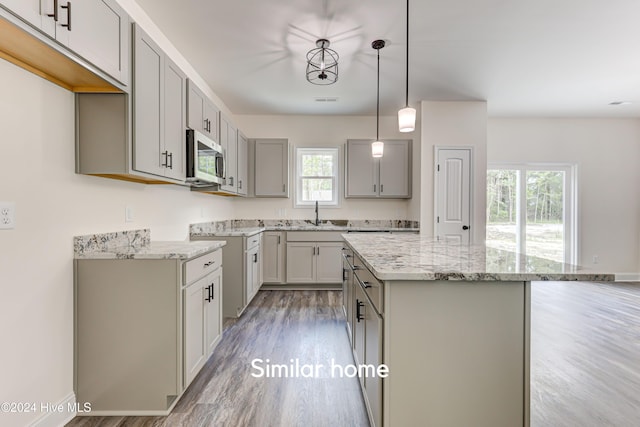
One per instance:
(596,259)
(7,215)
(129,214)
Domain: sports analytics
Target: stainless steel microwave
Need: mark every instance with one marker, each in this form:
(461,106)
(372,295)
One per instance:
(205,161)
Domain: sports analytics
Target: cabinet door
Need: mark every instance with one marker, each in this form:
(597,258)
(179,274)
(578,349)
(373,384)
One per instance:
(213,310)
(361,174)
(211,115)
(328,262)
(195,108)
(395,170)
(147,105)
(273,257)
(228,140)
(373,356)
(243,164)
(301,262)
(174,113)
(35,12)
(255,275)
(195,352)
(252,273)
(359,307)
(100,34)
(271,168)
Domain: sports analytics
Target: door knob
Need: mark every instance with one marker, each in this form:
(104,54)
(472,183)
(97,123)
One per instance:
(465,227)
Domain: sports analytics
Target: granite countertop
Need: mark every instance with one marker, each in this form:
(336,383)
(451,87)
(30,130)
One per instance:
(137,244)
(415,257)
(247,228)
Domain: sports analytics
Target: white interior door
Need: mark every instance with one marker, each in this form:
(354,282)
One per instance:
(453,194)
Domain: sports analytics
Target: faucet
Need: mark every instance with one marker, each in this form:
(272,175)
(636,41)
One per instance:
(317,218)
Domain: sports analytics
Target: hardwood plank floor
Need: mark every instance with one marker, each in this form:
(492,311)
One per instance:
(585,354)
(279,326)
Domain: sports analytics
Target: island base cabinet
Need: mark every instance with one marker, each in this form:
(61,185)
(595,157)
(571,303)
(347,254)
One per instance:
(457,352)
(127,317)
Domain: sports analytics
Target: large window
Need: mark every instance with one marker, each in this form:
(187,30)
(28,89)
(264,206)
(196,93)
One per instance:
(317,176)
(531,210)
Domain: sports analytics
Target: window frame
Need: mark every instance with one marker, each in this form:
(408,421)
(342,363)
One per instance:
(335,153)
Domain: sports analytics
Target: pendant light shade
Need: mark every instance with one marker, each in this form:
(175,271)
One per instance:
(407,119)
(322,64)
(407,115)
(377,147)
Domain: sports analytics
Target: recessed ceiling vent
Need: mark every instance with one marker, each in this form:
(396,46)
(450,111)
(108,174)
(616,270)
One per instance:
(333,99)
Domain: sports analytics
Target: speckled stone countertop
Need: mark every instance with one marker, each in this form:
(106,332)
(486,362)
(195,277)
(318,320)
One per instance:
(247,228)
(413,257)
(137,244)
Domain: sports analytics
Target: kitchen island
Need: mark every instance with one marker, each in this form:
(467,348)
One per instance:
(452,324)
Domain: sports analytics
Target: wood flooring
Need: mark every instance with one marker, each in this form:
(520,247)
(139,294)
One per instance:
(585,363)
(585,354)
(279,326)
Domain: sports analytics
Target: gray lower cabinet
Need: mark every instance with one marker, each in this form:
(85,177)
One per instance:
(387,177)
(273,254)
(314,257)
(142,330)
(159,111)
(241,279)
(367,337)
(271,168)
(96,30)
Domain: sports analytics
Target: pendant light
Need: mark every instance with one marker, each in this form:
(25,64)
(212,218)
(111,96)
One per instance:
(377,147)
(407,115)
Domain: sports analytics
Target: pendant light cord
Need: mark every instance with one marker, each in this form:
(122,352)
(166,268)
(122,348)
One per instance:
(378,102)
(407,69)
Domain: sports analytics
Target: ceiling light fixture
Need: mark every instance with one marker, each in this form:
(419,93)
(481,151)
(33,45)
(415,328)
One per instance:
(377,147)
(407,115)
(322,64)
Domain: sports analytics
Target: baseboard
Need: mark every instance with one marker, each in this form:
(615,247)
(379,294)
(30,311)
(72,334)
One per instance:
(627,277)
(54,417)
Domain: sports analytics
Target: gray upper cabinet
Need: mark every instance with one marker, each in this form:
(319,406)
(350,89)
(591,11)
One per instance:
(243,164)
(99,32)
(271,168)
(229,142)
(202,114)
(96,30)
(159,106)
(387,177)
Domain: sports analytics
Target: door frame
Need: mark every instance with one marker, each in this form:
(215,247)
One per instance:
(436,151)
(571,201)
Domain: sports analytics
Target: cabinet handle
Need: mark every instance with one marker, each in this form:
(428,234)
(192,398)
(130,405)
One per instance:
(255,257)
(240,184)
(213,292)
(170,157)
(382,188)
(374,188)
(166,158)
(278,239)
(344,277)
(318,251)
(314,250)
(68,24)
(207,264)
(366,285)
(284,188)
(231,181)
(54,15)
(359,305)
(208,298)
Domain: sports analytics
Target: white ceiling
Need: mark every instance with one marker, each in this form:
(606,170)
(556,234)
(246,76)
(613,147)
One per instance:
(524,57)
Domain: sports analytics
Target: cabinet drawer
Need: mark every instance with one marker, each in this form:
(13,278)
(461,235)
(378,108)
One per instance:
(201,266)
(253,241)
(372,286)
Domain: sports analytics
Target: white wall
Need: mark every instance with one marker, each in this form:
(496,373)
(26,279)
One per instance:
(607,152)
(328,131)
(53,204)
(454,124)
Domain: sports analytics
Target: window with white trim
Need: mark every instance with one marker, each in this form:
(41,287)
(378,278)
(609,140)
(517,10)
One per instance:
(317,176)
